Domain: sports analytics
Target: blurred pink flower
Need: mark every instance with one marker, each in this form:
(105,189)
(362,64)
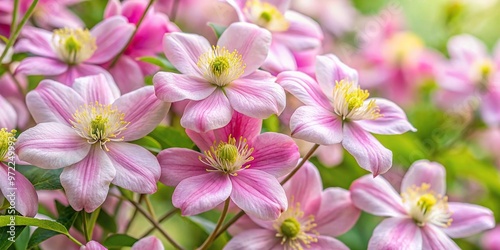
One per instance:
(313,218)
(471,73)
(220,79)
(491,239)
(291,31)
(237,163)
(147,243)
(69,53)
(146,42)
(421,217)
(489,140)
(338,111)
(91,125)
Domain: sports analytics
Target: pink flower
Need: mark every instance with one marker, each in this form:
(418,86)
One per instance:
(237,163)
(421,217)
(313,218)
(90,125)
(292,32)
(338,111)
(147,243)
(69,53)
(491,239)
(471,73)
(146,42)
(220,79)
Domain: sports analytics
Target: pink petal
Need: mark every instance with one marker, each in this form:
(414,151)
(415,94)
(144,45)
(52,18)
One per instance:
(8,115)
(305,186)
(305,88)
(149,243)
(53,102)
(41,66)
(178,164)
(93,245)
(44,144)
(171,87)
(424,171)
(80,70)
(434,238)
(396,233)
(204,140)
(250,41)
(239,126)
(337,214)
(254,239)
(256,96)
(303,34)
(111,35)
(366,149)
(136,168)
(87,182)
(279,59)
(275,154)
(96,88)
(467,48)
(36,41)
(201,193)
(211,113)
(244,224)
(113,8)
(57,15)
(490,109)
(184,50)
(259,194)
(134,78)
(143,110)
(21,191)
(330,69)
(490,240)
(325,242)
(317,125)
(468,219)
(376,196)
(393,120)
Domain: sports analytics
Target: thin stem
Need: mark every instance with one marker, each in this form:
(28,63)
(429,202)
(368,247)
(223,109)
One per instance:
(129,224)
(85,226)
(133,34)
(150,207)
(304,159)
(163,218)
(74,240)
(14,15)
(213,235)
(173,13)
(15,34)
(229,223)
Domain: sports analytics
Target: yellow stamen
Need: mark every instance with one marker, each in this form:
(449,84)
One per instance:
(265,15)
(6,140)
(296,233)
(221,67)
(228,157)
(349,102)
(73,45)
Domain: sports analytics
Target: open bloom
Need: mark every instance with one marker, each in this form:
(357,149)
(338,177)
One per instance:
(236,163)
(85,130)
(471,73)
(313,218)
(149,243)
(69,53)
(292,32)
(421,217)
(221,78)
(338,111)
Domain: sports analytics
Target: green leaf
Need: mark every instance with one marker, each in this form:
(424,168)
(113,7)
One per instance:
(207,225)
(107,222)
(22,241)
(271,124)
(119,240)
(170,137)
(218,29)
(149,143)
(6,239)
(27,221)
(163,63)
(42,179)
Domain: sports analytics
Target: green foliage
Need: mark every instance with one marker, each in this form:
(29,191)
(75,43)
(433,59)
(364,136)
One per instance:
(170,137)
(119,241)
(42,179)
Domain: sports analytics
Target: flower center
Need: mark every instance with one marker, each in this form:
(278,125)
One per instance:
(5,138)
(349,102)
(73,45)
(221,67)
(294,231)
(99,123)
(425,206)
(482,70)
(403,48)
(265,15)
(228,157)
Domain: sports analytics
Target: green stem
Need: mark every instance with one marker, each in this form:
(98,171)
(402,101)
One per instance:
(74,240)
(14,16)
(163,218)
(229,223)
(150,207)
(133,34)
(173,13)
(213,235)
(85,226)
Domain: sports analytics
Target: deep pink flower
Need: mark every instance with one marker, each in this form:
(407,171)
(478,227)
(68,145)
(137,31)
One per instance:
(338,111)
(237,163)
(292,32)
(313,218)
(69,53)
(90,125)
(221,78)
(471,73)
(421,217)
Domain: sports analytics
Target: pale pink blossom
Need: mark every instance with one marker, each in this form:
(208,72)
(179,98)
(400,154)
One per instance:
(220,79)
(491,239)
(68,53)
(90,125)
(338,111)
(421,217)
(237,163)
(314,217)
(147,243)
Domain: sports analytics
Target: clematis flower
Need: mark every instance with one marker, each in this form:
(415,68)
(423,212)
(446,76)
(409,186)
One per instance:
(491,239)
(292,32)
(236,163)
(337,111)
(149,243)
(219,79)
(146,42)
(471,73)
(313,218)
(91,125)
(421,217)
(69,53)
